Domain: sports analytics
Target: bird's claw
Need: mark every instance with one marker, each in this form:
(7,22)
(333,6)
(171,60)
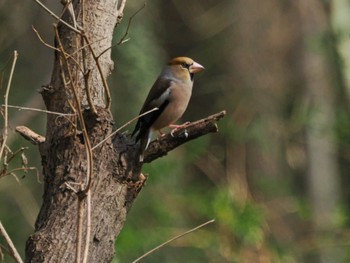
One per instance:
(174,130)
(177,127)
(186,133)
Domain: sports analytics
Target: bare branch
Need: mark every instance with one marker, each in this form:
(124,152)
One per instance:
(84,191)
(173,239)
(57,17)
(120,15)
(30,135)
(68,55)
(88,226)
(80,115)
(163,145)
(13,251)
(42,40)
(5,132)
(39,110)
(87,88)
(121,9)
(123,40)
(79,230)
(104,81)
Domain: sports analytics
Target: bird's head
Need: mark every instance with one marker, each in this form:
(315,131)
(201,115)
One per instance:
(184,67)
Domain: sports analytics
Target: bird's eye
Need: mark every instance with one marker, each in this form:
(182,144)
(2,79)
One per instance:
(184,65)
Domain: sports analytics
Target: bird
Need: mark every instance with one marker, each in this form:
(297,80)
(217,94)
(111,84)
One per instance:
(170,95)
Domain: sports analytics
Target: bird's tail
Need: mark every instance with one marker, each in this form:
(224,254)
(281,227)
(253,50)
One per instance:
(144,142)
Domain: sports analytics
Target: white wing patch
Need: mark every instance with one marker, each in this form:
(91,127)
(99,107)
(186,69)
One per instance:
(160,100)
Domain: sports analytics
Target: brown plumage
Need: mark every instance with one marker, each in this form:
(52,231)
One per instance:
(170,94)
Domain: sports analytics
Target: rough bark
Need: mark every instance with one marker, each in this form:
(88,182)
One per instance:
(116,177)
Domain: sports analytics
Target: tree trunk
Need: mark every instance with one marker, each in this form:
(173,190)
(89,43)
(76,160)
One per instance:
(88,190)
(65,153)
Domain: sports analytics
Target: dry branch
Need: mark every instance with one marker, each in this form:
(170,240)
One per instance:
(5,131)
(12,249)
(173,239)
(57,17)
(30,135)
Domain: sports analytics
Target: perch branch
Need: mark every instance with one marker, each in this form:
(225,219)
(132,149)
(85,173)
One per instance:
(161,147)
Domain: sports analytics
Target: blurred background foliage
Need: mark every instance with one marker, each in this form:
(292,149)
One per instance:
(276,176)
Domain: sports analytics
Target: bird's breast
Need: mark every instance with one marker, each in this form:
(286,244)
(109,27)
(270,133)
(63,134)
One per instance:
(179,96)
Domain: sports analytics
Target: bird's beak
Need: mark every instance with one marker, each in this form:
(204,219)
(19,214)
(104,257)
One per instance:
(196,67)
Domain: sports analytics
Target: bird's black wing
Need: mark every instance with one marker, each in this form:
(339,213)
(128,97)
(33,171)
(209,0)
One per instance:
(154,99)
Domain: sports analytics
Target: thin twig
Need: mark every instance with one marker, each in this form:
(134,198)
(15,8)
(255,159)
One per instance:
(9,242)
(87,88)
(121,8)
(57,17)
(5,132)
(69,6)
(58,50)
(85,190)
(24,169)
(123,126)
(173,239)
(79,229)
(39,110)
(88,226)
(86,73)
(14,154)
(104,81)
(80,116)
(65,84)
(122,40)
(42,40)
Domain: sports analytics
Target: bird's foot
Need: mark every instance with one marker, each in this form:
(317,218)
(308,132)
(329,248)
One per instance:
(162,134)
(177,127)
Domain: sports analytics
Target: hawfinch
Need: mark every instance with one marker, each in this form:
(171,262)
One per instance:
(170,94)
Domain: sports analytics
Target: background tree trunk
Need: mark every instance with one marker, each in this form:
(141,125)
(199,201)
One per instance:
(323,170)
